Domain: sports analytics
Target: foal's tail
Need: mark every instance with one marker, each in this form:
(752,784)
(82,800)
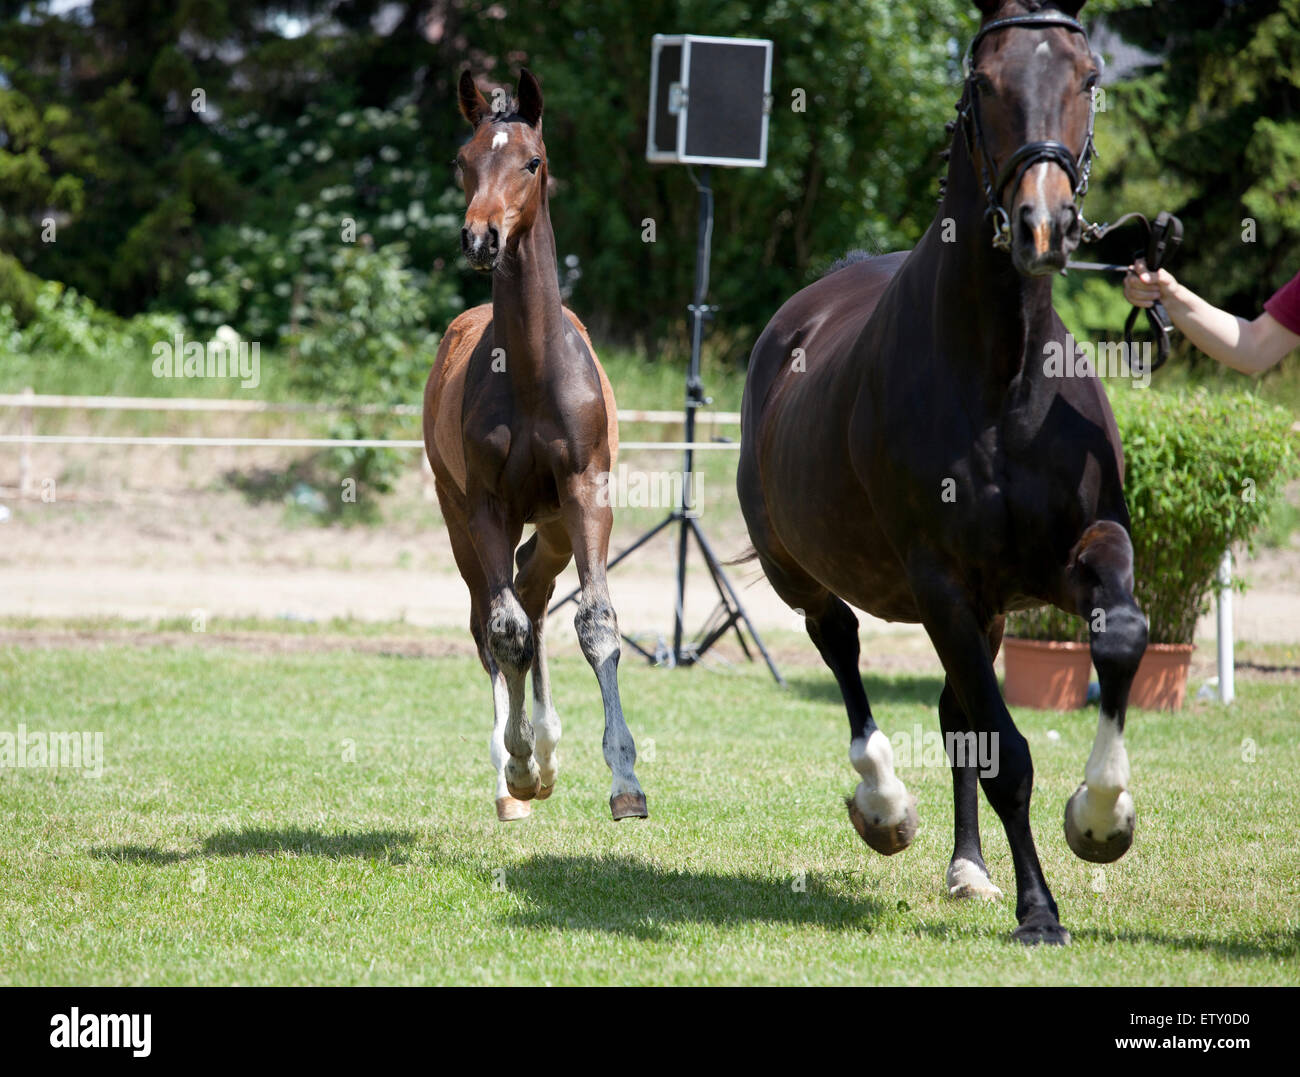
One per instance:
(749,554)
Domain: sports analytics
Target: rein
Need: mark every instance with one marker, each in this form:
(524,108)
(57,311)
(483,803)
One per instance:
(1164,235)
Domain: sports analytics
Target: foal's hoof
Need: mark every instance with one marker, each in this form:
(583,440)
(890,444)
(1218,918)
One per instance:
(544,791)
(1099,841)
(523,780)
(628,806)
(1041,928)
(885,838)
(509,809)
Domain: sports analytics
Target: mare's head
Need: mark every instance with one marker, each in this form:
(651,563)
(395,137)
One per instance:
(1027,115)
(502,169)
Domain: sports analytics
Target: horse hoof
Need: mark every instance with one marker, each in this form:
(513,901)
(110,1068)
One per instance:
(885,838)
(544,791)
(523,792)
(509,809)
(1041,929)
(1085,840)
(966,879)
(628,806)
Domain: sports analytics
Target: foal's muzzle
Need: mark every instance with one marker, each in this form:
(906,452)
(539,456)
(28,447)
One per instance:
(481,244)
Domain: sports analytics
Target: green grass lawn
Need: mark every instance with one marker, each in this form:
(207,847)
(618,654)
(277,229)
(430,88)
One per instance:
(231,840)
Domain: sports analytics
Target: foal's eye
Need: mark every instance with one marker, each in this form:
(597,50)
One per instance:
(1090,83)
(534,165)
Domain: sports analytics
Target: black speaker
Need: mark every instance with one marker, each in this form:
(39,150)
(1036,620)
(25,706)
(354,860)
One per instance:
(710,99)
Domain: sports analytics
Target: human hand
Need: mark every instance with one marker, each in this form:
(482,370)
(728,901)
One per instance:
(1142,287)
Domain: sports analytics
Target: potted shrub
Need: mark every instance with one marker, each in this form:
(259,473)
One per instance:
(1199,471)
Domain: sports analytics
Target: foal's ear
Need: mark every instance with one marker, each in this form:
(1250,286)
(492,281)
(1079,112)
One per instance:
(529,96)
(473,105)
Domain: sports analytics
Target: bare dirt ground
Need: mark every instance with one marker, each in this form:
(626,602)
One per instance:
(154,534)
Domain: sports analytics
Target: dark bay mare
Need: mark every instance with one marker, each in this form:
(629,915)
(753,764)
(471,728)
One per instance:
(521,429)
(905,449)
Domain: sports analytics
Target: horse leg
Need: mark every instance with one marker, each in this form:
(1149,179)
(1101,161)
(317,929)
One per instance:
(968,875)
(881,809)
(588,524)
(1099,817)
(961,639)
(509,635)
(453,514)
(540,560)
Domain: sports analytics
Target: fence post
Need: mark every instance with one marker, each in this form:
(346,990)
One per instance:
(1227,663)
(25,488)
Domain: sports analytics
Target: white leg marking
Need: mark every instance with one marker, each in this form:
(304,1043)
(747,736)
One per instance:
(546,723)
(881,797)
(1105,800)
(966,880)
(497,742)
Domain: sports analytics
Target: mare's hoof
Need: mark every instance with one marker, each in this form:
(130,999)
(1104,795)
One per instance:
(885,838)
(628,806)
(1085,840)
(509,809)
(966,880)
(544,791)
(1041,928)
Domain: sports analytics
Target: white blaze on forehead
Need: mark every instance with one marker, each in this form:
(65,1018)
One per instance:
(499,140)
(1044,49)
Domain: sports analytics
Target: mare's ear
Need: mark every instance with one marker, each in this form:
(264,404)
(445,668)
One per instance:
(529,95)
(473,105)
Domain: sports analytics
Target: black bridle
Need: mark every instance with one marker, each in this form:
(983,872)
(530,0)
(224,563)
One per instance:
(1031,153)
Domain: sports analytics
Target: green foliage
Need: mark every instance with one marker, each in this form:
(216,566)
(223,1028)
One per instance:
(66,331)
(1047,623)
(1202,472)
(360,337)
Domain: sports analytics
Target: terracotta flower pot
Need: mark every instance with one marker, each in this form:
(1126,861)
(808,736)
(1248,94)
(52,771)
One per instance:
(1046,674)
(1161,681)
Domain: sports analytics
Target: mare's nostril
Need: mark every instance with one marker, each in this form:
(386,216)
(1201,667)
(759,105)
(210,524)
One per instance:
(464,239)
(493,239)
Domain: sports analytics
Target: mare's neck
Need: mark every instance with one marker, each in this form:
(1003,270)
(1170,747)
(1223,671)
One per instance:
(1009,315)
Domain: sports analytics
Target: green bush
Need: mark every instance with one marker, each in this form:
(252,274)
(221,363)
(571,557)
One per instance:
(1201,473)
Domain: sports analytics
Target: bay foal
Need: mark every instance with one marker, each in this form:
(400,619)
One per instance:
(520,428)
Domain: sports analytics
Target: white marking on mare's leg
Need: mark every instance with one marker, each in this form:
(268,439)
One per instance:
(880,796)
(1103,804)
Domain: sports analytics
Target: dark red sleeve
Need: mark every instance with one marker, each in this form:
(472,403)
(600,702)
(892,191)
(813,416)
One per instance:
(1285,305)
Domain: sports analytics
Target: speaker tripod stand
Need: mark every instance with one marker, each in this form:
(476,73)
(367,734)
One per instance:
(729,614)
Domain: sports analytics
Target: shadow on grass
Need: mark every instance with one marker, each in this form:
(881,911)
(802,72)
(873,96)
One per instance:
(1273,945)
(820,687)
(258,841)
(624,896)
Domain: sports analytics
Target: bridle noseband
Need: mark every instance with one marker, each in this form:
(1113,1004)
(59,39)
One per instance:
(1031,153)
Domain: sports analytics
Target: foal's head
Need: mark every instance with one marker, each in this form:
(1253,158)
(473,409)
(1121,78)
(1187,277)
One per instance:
(502,169)
(1029,123)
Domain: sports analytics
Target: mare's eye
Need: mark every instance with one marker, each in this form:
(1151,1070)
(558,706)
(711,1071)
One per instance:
(1091,82)
(534,165)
